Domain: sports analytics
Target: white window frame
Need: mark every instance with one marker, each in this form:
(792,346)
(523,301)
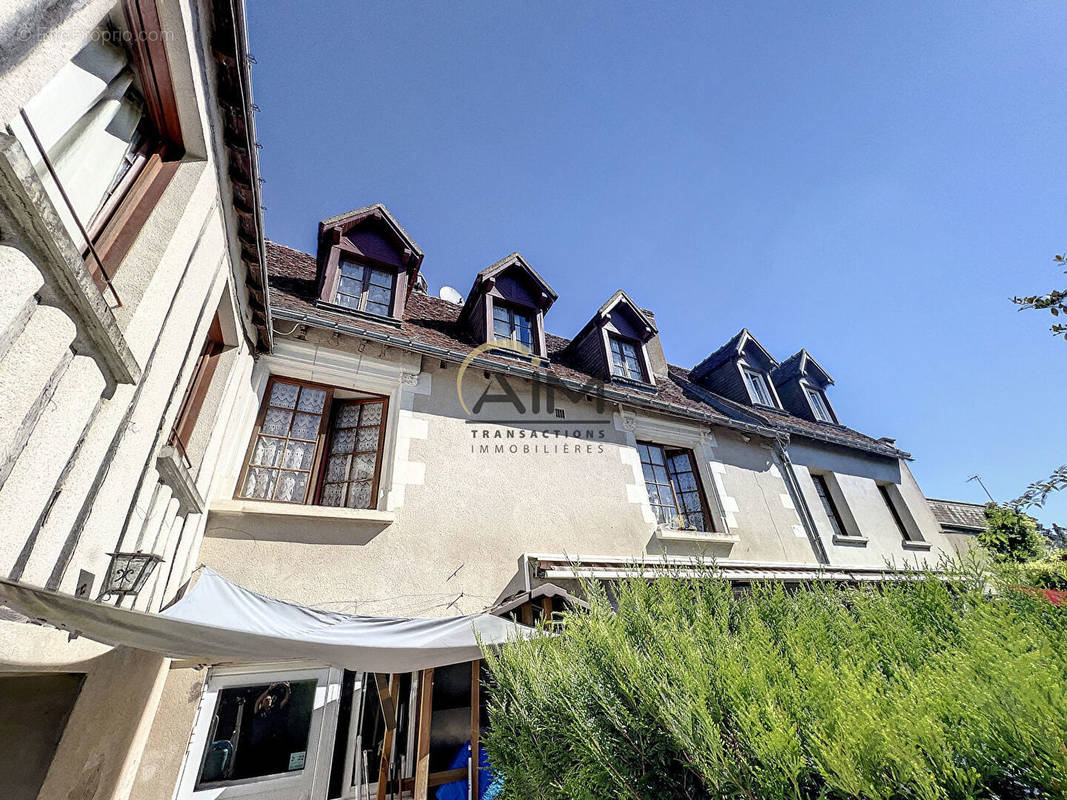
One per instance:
(818,403)
(750,376)
(284,786)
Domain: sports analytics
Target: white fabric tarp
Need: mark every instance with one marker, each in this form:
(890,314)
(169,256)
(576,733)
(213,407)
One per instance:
(220,622)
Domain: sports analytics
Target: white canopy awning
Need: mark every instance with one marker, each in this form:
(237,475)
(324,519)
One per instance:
(218,621)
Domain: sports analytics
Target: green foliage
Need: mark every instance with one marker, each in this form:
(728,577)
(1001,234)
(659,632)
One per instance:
(687,691)
(1010,535)
(1055,302)
(1046,573)
(1037,492)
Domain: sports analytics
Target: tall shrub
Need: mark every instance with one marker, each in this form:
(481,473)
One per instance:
(688,691)
(1010,535)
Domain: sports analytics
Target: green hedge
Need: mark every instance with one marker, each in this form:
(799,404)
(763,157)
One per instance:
(914,691)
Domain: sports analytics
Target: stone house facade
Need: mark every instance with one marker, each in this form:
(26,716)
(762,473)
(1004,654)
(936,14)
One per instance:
(318,428)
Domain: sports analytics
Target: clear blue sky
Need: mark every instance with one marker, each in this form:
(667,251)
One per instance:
(872,183)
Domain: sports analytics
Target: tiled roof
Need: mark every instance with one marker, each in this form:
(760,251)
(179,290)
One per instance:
(430,322)
(957,514)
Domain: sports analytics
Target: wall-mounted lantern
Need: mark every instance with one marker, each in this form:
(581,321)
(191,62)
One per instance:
(128,572)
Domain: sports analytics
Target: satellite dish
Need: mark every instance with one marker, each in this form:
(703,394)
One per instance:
(451,295)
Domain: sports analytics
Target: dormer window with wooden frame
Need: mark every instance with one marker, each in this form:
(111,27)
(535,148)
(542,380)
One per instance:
(740,370)
(801,385)
(613,344)
(512,324)
(368,265)
(103,136)
(507,304)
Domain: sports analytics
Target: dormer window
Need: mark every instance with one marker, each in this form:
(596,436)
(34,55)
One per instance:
(365,288)
(757,386)
(511,324)
(819,405)
(507,304)
(368,265)
(625,359)
(801,386)
(614,344)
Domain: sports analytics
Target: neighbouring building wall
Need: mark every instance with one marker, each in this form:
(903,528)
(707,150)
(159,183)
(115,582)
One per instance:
(91,388)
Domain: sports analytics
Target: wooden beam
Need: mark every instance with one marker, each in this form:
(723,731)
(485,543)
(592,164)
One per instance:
(527,613)
(546,608)
(476,721)
(386,698)
(390,732)
(422,747)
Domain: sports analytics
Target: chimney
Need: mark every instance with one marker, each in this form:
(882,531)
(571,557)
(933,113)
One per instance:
(654,348)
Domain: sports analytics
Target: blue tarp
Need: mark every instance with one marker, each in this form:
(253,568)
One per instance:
(488,785)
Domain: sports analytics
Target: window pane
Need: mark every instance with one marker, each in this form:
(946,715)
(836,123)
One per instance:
(500,314)
(358,495)
(312,399)
(380,278)
(381,309)
(260,730)
(376,294)
(268,451)
(350,286)
(347,300)
(501,329)
(276,422)
(284,395)
(371,414)
(298,455)
(305,426)
(290,488)
(367,439)
(350,270)
(259,483)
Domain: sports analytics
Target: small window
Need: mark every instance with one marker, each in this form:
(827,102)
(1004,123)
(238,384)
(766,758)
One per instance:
(511,324)
(819,405)
(196,391)
(625,360)
(758,389)
(285,461)
(889,504)
(828,505)
(674,489)
(258,730)
(365,288)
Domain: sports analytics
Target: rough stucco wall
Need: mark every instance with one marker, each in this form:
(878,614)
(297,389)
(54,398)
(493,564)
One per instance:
(858,480)
(158,772)
(176,266)
(479,512)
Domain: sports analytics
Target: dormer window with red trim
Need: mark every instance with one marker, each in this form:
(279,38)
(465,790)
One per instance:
(507,304)
(365,288)
(368,264)
(511,324)
(613,345)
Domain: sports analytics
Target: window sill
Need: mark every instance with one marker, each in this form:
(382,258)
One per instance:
(851,541)
(366,316)
(676,535)
(907,544)
(370,517)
